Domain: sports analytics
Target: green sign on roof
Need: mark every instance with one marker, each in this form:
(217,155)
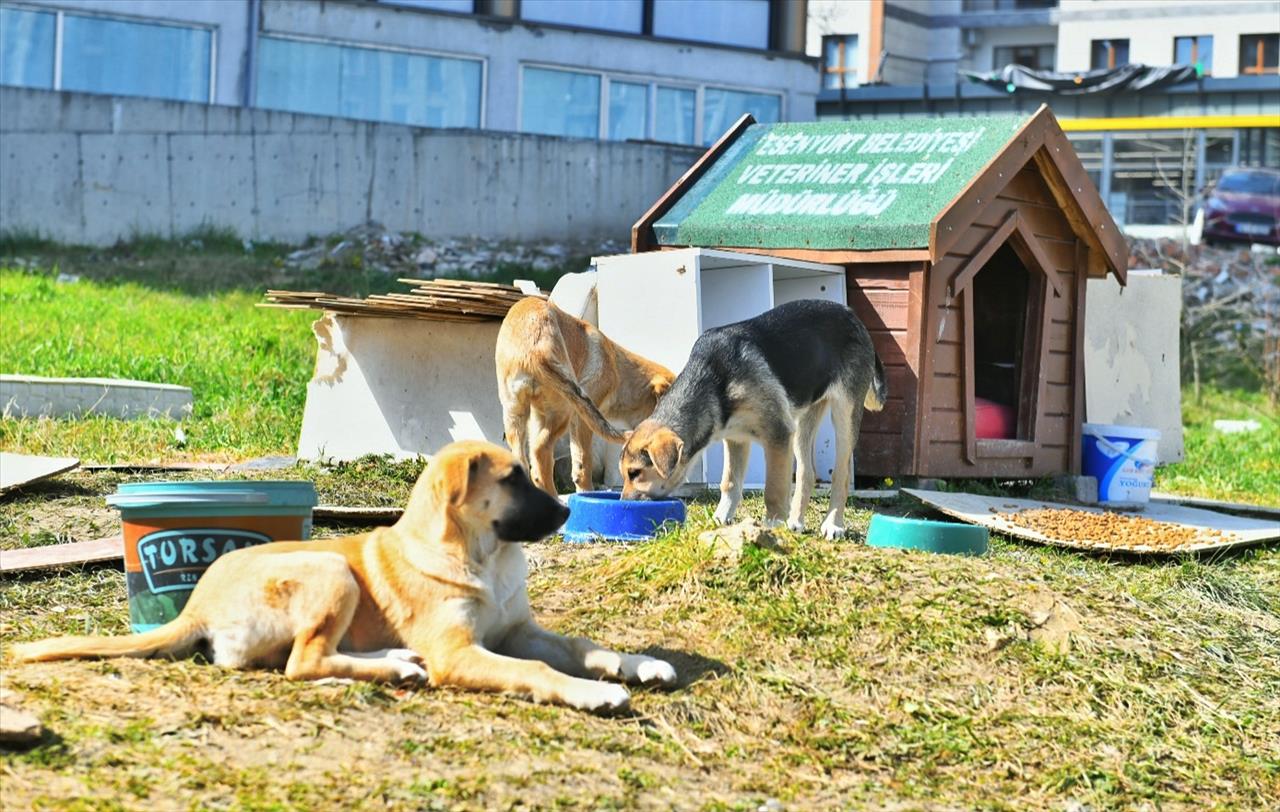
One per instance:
(835,185)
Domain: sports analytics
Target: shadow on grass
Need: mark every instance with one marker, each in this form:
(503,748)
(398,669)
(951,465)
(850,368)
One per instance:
(691,667)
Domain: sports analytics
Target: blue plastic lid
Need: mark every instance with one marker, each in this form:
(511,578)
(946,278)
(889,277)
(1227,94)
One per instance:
(221,493)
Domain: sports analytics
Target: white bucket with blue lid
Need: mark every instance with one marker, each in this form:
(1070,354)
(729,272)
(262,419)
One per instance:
(1122,459)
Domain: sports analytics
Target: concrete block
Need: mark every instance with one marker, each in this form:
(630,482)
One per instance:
(129,192)
(1080,488)
(213,182)
(32,396)
(41,184)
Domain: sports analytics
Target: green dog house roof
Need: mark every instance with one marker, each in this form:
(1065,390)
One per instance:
(864,187)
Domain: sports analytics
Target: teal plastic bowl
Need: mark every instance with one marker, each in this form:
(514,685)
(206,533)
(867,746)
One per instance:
(950,538)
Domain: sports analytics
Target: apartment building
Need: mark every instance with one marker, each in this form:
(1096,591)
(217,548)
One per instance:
(678,71)
(1146,149)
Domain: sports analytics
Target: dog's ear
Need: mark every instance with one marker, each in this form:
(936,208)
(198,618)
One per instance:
(665,452)
(454,477)
(659,384)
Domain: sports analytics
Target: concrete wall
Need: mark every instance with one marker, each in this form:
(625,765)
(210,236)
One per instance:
(90,169)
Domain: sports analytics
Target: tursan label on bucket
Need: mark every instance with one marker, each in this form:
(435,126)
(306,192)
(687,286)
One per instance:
(173,531)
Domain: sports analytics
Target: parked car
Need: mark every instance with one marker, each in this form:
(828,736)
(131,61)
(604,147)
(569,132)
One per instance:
(1243,206)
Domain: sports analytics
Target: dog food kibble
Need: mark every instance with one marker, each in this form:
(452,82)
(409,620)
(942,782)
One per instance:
(1111,529)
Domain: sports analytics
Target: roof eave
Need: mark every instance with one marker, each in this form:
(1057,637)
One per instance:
(1042,141)
(642,237)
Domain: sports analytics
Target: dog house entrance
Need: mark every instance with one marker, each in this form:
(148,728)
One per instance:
(1007,300)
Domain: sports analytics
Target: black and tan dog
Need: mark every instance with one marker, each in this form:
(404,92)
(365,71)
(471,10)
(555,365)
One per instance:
(769,380)
(440,597)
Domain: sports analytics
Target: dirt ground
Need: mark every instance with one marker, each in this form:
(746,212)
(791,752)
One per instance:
(830,675)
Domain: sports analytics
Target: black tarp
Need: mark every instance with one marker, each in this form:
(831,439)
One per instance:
(1126,77)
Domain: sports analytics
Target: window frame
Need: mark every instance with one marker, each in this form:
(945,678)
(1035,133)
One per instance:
(484,69)
(1195,49)
(60,15)
(1259,68)
(844,68)
(1037,47)
(1112,59)
(651,98)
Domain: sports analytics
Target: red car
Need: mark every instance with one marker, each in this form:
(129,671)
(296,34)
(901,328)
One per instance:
(1243,206)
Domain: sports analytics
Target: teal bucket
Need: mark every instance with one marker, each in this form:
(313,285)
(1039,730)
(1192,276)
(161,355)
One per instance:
(173,531)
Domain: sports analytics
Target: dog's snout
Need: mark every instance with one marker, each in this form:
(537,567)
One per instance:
(563,512)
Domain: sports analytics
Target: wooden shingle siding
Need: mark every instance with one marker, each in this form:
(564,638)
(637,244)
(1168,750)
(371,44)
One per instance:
(881,297)
(943,418)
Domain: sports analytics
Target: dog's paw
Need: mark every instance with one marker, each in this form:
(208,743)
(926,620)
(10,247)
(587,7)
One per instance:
(655,672)
(795,526)
(831,530)
(724,514)
(600,697)
(407,655)
(407,673)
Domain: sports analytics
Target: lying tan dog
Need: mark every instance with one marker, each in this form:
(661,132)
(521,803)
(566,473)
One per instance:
(443,582)
(556,372)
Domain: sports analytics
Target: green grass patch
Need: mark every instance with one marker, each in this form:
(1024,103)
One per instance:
(1242,467)
(247,367)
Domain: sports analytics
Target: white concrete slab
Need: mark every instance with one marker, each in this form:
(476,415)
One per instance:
(403,387)
(1131,357)
(17,470)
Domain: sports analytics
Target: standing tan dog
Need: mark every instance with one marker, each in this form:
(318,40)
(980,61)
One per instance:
(443,582)
(543,353)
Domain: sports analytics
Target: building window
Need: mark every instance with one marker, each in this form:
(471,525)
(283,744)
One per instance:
(628,111)
(1196,51)
(105,55)
(840,61)
(368,83)
(557,101)
(721,107)
(560,102)
(460,6)
(1259,53)
(614,15)
(744,23)
(1035,57)
(674,115)
(26,48)
(1110,53)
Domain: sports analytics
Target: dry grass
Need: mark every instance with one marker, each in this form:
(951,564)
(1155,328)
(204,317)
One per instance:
(832,676)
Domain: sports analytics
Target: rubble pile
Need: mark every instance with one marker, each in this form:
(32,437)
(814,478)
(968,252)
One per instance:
(1230,308)
(372,246)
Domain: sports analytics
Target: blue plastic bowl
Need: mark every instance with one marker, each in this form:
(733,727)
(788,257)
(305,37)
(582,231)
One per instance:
(950,538)
(596,515)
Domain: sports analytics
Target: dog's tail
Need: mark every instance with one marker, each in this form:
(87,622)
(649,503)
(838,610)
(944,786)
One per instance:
(176,638)
(878,391)
(563,382)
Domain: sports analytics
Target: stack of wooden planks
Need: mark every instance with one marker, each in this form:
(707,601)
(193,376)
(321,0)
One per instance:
(433,299)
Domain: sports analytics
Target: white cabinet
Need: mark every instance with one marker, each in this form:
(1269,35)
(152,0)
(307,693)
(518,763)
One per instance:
(658,303)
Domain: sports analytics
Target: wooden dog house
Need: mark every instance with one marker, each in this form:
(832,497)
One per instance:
(966,244)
